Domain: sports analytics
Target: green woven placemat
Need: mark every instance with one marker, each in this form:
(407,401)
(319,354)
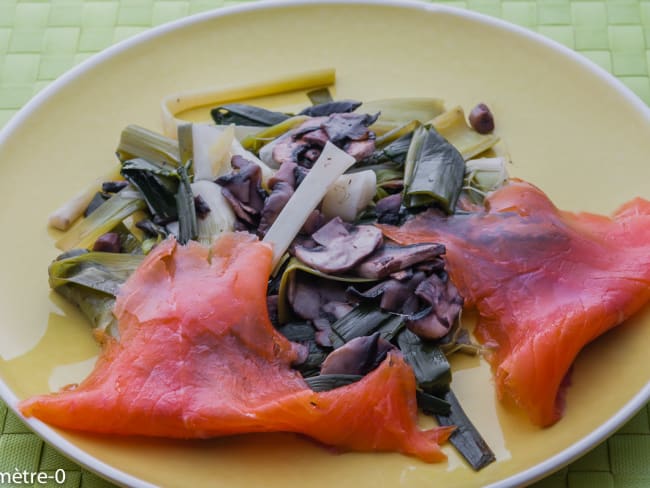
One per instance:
(41,39)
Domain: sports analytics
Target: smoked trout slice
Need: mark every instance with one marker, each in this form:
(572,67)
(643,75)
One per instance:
(198,357)
(545,282)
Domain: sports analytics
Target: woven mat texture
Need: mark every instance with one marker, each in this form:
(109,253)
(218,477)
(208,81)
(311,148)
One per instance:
(41,39)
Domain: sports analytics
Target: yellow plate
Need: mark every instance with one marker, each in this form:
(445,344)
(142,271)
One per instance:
(569,127)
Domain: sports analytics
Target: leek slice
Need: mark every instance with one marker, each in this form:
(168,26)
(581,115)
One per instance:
(466,438)
(243,114)
(138,142)
(326,382)
(434,171)
(320,96)
(220,219)
(64,216)
(452,126)
(331,164)
(100,271)
(363,320)
(432,404)
(430,366)
(178,102)
(86,231)
(401,132)
(90,281)
(396,112)
(349,195)
(158,185)
(484,175)
(264,138)
(211,150)
(187,226)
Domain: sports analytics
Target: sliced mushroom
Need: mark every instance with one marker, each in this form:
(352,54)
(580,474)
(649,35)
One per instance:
(350,126)
(446,304)
(273,205)
(396,296)
(391,258)
(243,189)
(341,246)
(359,356)
(333,107)
(286,173)
(348,131)
(308,295)
(388,209)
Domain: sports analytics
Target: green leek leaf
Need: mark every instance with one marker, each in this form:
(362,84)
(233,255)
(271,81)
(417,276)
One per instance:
(365,319)
(243,114)
(320,96)
(187,224)
(256,141)
(326,382)
(158,185)
(466,439)
(453,127)
(431,404)
(434,171)
(429,363)
(85,232)
(90,280)
(138,142)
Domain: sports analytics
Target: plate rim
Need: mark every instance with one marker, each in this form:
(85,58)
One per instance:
(532,474)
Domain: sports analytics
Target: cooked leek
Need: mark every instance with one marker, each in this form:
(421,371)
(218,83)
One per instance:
(91,280)
(99,271)
(64,216)
(243,114)
(138,142)
(86,231)
(331,164)
(434,171)
(484,175)
(264,137)
(326,382)
(320,96)
(432,404)
(396,112)
(220,219)
(466,439)
(453,127)
(157,183)
(349,195)
(212,150)
(187,226)
(430,366)
(178,102)
(363,320)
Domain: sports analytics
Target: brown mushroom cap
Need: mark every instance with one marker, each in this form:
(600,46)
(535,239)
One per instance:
(359,356)
(340,246)
(391,258)
(446,305)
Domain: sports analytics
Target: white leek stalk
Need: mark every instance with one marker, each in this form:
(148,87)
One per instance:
(176,103)
(220,219)
(331,164)
(349,195)
(212,150)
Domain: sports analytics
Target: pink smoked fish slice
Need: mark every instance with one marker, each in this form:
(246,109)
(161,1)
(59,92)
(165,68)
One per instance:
(198,357)
(545,283)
